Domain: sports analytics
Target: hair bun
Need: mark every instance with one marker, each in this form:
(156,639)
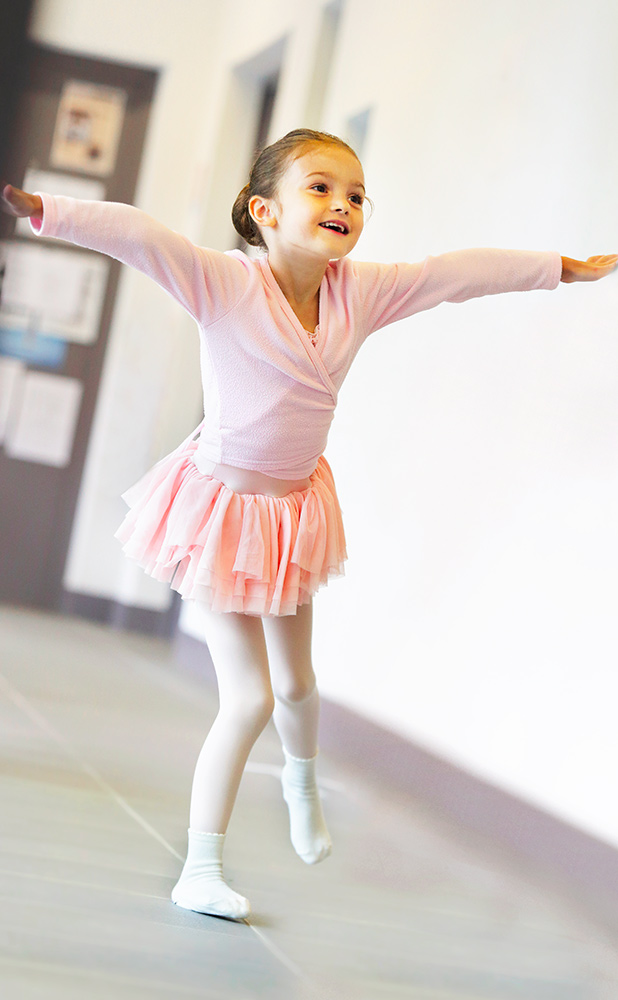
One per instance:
(244,224)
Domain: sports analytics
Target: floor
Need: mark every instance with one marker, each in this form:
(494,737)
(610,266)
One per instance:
(99,731)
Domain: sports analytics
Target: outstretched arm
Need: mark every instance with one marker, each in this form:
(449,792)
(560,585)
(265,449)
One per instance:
(588,270)
(390,292)
(191,274)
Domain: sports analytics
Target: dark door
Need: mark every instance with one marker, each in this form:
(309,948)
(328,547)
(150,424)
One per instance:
(37,500)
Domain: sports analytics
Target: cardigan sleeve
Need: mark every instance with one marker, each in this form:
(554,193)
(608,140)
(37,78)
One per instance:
(205,282)
(390,292)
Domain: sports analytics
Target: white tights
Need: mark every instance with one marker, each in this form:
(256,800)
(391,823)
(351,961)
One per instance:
(263,666)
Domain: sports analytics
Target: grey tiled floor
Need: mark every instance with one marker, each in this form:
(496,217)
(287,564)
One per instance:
(99,732)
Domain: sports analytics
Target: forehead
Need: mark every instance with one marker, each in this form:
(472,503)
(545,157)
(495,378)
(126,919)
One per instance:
(334,160)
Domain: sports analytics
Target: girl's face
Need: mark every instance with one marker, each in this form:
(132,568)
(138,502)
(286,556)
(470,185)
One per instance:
(318,208)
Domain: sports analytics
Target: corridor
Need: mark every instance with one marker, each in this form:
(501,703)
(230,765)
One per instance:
(100,731)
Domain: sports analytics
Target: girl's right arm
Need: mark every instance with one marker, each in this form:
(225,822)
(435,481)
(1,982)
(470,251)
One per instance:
(20,204)
(192,275)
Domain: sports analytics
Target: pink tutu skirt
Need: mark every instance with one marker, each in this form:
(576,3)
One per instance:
(244,552)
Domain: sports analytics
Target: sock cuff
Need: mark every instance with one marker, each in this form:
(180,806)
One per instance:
(300,760)
(200,835)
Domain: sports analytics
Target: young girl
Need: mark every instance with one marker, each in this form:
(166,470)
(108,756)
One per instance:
(243,516)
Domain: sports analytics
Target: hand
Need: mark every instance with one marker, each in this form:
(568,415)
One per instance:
(588,270)
(19,203)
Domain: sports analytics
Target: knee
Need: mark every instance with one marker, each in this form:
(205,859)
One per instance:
(264,707)
(252,709)
(295,689)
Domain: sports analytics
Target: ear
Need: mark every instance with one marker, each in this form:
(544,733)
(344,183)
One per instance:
(262,210)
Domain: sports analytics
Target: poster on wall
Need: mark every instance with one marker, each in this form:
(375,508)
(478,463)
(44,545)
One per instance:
(43,419)
(12,372)
(51,291)
(88,126)
(50,182)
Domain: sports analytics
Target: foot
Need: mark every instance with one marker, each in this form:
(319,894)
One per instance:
(308,830)
(212,896)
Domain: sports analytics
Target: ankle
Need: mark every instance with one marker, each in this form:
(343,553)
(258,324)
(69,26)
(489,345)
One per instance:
(299,760)
(201,886)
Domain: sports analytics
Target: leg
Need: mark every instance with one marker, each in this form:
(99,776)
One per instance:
(296,716)
(297,703)
(236,644)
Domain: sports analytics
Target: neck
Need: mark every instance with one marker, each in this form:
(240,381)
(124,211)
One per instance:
(299,280)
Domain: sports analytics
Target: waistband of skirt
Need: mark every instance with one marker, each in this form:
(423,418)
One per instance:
(205,457)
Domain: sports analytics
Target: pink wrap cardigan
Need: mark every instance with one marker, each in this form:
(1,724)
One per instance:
(269,392)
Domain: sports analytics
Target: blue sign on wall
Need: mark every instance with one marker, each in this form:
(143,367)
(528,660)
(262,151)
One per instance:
(33,348)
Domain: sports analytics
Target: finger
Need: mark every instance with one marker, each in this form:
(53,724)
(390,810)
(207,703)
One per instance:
(603,259)
(600,268)
(10,195)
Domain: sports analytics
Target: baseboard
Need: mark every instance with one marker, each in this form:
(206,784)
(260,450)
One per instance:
(562,856)
(565,859)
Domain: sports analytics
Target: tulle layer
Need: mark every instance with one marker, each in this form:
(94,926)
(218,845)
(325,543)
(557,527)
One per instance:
(243,552)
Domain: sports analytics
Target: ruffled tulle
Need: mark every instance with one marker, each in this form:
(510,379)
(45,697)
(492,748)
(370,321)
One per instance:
(244,552)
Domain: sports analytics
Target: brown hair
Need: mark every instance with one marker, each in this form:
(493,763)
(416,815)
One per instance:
(267,171)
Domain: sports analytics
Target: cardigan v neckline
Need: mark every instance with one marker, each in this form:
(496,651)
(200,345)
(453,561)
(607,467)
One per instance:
(305,337)
(306,334)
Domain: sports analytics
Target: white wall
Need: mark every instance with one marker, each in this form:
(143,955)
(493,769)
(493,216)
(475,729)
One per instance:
(475,445)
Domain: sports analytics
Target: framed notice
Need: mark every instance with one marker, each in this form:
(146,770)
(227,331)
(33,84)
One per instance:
(52,291)
(88,127)
(43,418)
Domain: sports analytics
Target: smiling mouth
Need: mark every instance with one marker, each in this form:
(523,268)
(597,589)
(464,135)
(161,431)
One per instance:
(337,227)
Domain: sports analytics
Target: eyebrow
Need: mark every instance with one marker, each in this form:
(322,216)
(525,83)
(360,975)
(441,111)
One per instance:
(325,173)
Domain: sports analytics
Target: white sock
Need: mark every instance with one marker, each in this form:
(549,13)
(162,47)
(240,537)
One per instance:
(308,831)
(201,886)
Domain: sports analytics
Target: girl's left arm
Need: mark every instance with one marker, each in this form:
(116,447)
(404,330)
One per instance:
(588,270)
(390,292)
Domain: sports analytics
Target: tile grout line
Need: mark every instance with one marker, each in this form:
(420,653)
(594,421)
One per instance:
(39,720)
(280,955)
(11,962)
(42,723)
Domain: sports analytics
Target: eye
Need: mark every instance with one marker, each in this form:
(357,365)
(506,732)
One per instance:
(319,187)
(357,199)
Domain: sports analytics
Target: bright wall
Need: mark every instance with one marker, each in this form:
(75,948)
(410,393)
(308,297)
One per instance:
(475,446)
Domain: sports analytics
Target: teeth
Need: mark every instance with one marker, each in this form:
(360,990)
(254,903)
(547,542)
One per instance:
(335,226)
